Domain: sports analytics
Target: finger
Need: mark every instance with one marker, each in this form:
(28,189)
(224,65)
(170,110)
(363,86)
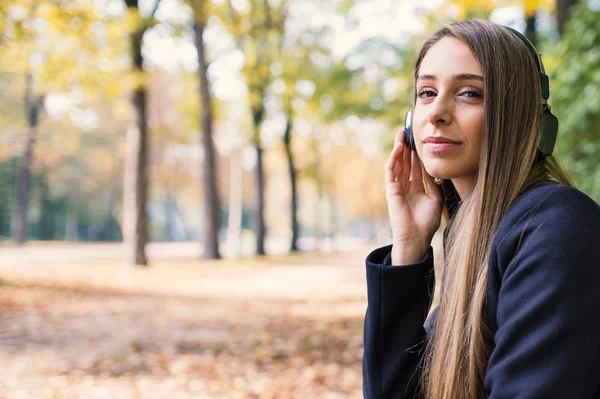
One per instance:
(416,173)
(392,164)
(398,164)
(398,142)
(404,173)
(399,137)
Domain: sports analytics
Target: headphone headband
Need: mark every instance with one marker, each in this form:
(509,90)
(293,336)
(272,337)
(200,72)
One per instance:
(544,80)
(549,122)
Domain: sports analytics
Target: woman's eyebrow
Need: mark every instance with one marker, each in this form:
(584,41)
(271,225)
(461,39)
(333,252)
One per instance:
(460,76)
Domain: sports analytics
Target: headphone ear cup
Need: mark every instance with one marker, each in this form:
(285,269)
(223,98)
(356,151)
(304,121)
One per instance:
(408,131)
(549,132)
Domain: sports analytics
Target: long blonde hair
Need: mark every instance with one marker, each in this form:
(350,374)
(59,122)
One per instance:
(456,361)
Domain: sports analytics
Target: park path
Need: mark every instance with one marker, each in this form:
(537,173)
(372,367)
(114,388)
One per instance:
(65,252)
(41,253)
(275,276)
(76,323)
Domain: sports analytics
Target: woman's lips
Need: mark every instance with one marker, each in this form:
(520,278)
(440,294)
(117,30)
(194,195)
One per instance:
(437,144)
(438,147)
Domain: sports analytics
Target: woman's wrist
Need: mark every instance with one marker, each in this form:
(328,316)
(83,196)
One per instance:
(406,253)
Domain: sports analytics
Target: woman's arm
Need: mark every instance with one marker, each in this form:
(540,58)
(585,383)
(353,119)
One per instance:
(394,337)
(548,314)
(398,296)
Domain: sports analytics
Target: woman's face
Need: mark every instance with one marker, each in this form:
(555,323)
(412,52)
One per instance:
(448,115)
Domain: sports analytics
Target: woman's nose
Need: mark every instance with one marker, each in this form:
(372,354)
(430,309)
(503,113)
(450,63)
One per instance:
(440,112)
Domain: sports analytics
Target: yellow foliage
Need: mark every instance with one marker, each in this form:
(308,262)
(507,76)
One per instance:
(254,98)
(529,6)
(199,9)
(133,20)
(138,79)
(49,12)
(115,32)
(465,6)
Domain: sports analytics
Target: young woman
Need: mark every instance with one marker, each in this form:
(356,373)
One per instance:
(519,312)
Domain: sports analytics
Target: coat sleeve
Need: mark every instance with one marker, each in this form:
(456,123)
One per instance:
(548,337)
(398,300)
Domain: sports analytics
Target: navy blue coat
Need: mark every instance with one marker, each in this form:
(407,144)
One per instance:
(543,305)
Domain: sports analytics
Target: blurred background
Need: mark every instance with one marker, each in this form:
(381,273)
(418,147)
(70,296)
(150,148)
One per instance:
(188,188)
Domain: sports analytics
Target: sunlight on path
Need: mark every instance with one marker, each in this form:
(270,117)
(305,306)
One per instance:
(273,327)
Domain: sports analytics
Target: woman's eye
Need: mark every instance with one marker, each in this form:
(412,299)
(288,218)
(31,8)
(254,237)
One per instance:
(470,94)
(426,93)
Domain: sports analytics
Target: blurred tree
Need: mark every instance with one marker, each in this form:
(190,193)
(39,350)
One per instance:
(314,170)
(257,28)
(33,106)
(13,28)
(302,66)
(287,141)
(31,48)
(174,109)
(211,203)
(575,78)
(135,187)
(7,178)
(391,92)
(530,10)
(472,8)
(371,82)
(563,8)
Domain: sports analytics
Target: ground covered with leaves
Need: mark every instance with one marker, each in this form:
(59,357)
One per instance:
(282,327)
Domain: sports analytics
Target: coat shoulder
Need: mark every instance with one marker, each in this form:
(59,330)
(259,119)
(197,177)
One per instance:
(554,207)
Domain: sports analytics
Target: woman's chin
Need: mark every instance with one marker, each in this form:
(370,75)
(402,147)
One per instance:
(442,173)
(448,169)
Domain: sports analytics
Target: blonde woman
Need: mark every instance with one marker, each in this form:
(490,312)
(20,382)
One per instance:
(519,312)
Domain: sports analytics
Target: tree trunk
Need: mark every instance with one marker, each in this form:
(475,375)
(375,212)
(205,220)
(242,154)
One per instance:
(319,224)
(8,180)
(212,206)
(287,138)
(530,32)
(234,224)
(24,165)
(46,221)
(562,13)
(170,231)
(319,217)
(333,222)
(135,186)
(259,220)
(72,223)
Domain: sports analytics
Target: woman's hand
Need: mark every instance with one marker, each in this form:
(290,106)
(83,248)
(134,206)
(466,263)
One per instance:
(415,214)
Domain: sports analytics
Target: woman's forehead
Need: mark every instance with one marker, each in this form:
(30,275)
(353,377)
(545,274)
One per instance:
(448,58)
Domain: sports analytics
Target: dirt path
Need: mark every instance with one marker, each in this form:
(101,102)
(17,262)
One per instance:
(281,327)
(50,253)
